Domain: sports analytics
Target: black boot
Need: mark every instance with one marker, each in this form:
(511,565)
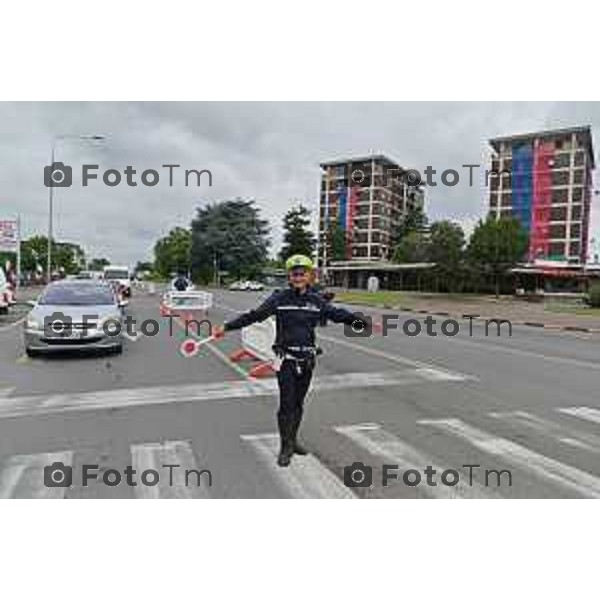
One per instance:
(285,454)
(299,449)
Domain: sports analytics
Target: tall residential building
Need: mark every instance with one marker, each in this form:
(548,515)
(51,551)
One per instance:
(367,197)
(546,183)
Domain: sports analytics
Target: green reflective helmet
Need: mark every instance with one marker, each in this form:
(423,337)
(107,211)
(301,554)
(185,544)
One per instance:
(299,260)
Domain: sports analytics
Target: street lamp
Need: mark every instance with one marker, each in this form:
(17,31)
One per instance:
(55,140)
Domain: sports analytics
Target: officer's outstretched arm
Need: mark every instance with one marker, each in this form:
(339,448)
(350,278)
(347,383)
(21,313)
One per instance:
(340,315)
(264,311)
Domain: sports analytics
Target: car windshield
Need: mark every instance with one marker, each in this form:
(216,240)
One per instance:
(116,274)
(77,295)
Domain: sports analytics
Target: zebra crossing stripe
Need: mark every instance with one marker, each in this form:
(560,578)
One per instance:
(565,435)
(22,476)
(582,412)
(187,480)
(306,477)
(372,438)
(546,468)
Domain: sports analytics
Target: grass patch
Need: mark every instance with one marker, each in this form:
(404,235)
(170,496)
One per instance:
(407,299)
(572,310)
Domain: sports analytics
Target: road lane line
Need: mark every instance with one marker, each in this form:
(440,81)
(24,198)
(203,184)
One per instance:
(23,476)
(546,468)
(582,412)
(306,477)
(565,435)
(372,438)
(232,390)
(172,483)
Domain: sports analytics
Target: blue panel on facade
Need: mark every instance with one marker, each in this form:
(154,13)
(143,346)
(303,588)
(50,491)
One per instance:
(343,201)
(522,183)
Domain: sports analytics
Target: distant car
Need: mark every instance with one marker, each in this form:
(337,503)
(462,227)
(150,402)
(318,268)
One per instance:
(120,277)
(73,315)
(4,293)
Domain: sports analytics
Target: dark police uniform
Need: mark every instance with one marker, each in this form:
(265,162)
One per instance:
(296,316)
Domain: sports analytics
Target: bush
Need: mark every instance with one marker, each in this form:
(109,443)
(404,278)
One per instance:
(594,296)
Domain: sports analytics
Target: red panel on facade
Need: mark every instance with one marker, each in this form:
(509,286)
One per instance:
(539,240)
(353,193)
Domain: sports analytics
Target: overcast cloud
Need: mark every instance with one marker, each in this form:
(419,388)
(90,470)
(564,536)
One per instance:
(267,151)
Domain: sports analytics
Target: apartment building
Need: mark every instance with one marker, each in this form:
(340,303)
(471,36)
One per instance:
(545,181)
(366,197)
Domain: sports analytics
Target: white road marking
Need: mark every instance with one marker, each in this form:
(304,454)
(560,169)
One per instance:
(563,434)
(222,390)
(427,369)
(384,445)
(184,481)
(23,476)
(547,468)
(5,392)
(582,412)
(306,477)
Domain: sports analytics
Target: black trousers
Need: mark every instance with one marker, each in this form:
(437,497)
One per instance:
(294,380)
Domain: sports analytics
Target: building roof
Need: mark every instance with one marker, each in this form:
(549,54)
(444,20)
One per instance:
(356,159)
(584,129)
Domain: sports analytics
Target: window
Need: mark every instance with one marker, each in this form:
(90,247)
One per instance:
(576,212)
(494,182)
(578,177)
(375,251)
(574,249)
(507,164)
(556,249)
(577,194)
(558,231)
(560,178)
(558,213)
(575,230)
(579,159)
(561,161)
(493,199)
(506,199)
(560,196)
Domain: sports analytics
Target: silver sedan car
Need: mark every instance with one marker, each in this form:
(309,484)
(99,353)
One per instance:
(74,315)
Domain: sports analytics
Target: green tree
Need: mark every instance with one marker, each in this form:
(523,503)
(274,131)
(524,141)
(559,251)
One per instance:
(413,248)
(172,252)
(65,255)
(228,236)
(97,264)
(446,245)
(297,237)
(497,246)
(414,220)
(336,241)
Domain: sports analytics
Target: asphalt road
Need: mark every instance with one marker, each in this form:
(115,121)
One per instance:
(526,406)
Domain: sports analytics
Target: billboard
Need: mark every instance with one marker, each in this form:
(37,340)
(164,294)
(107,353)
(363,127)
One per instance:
(9,235)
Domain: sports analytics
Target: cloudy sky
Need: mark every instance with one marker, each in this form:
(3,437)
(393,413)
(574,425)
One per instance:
(267,151)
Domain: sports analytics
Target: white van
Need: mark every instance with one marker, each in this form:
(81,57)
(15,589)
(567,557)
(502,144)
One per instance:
(120,277)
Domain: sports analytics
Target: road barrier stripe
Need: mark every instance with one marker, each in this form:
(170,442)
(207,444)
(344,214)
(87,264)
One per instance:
(564,435)
(23,476)
(172,483)
(306,477)
(372,438)
(546,468)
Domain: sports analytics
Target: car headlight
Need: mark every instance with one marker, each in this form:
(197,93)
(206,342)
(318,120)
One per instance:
(33,324)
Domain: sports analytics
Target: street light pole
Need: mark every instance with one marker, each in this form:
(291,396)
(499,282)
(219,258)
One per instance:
(55,139)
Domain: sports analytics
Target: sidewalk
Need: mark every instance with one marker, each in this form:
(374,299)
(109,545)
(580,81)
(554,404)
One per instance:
(543,315)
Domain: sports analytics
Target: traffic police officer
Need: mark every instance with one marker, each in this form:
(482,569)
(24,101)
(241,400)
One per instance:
(298,310)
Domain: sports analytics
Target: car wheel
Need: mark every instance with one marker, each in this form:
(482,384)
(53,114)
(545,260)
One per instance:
(3,310)
(118,349)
